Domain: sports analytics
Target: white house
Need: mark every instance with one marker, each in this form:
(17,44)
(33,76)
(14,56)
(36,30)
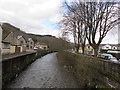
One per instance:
(106,47)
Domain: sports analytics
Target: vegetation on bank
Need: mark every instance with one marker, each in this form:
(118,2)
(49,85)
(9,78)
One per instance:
(90,72)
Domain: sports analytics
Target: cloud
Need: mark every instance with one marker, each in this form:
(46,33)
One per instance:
(38,16)
(30,15)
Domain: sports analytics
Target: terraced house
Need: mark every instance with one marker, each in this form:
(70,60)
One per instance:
(15,41)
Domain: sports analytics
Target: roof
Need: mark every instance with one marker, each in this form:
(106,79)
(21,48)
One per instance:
(20,35)
(6,42)
(42,44)
(16,44)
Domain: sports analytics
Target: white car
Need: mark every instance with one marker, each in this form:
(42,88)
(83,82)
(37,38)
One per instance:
(108,57)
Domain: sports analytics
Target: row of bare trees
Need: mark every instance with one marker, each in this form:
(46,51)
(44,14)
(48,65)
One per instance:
(89,21)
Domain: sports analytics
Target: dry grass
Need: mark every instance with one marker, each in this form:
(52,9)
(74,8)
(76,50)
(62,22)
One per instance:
(85,68)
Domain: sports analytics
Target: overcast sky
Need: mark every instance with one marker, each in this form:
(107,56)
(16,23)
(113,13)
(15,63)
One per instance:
(37,16)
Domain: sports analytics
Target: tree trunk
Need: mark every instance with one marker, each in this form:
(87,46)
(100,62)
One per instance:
(77,49)
(96,48)
(83,49)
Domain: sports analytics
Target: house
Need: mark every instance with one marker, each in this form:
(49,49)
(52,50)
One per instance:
(109,46)
(105,47)
(17,42)
(15,39)
(12,38)
(42,46)
(88,49)
(5,47)
(29,43)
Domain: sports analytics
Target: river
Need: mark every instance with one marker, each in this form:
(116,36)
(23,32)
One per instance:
(45,72)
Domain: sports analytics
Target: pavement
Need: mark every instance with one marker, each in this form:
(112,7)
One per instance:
(10,56)
(45,72)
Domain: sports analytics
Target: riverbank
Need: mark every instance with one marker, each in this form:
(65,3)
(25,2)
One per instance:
(91,72)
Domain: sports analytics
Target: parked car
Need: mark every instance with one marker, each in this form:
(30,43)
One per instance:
(108,57)
(35,48)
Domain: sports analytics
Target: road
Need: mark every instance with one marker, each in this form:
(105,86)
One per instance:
(45,72)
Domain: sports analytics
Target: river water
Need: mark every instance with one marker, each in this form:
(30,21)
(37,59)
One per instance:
(45,72)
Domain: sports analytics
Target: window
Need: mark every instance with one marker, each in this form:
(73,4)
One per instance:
(88,47)
(44,47)
(21,42)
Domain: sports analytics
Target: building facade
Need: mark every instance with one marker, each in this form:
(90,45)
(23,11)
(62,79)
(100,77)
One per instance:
(30,43)
(42,46)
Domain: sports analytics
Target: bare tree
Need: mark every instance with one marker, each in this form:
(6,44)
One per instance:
(98,18)
(72,23)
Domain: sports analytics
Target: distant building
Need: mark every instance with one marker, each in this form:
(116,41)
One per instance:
(109,46)
(42,46)
(88,49)
(105,47)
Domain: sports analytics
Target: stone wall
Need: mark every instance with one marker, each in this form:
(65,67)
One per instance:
(11,67)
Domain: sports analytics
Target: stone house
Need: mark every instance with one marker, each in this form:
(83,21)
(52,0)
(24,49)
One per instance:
(41,46)
(12,38)
(30,43)
(18,43)
(5,47)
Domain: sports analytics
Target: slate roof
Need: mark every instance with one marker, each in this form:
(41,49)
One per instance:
(6,42)
(42,44)
(18,34)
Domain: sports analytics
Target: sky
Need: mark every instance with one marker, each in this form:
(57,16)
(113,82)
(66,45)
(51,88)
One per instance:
(38,17)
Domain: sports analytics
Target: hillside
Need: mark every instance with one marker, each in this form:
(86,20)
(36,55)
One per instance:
(55,44)
(7,28)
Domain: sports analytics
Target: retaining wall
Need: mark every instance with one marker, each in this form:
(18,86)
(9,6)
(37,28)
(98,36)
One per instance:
(11,67)
(92,71)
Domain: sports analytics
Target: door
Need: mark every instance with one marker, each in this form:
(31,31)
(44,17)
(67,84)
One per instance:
(17,49)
